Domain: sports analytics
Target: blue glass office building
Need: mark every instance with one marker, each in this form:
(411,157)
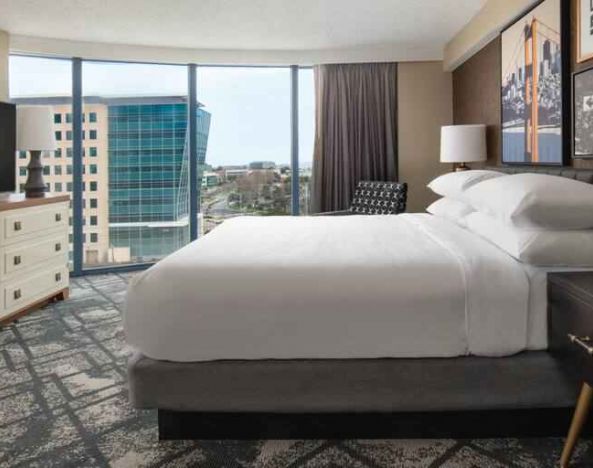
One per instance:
(149,174)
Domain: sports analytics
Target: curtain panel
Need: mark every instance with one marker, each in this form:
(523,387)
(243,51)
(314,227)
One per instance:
(356,130)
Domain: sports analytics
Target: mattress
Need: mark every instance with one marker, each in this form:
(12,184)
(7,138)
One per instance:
(407,286)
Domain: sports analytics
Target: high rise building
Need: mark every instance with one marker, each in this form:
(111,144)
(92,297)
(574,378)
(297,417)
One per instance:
(135,173)
(149,175)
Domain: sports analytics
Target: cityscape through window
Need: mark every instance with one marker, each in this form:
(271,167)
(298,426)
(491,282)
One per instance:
(306,136)
(246,165)
(137,129)
(135,149)
(34,81)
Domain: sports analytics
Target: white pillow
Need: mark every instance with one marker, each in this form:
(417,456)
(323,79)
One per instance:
(535,247)
(453,184)
(535,201)
(451,209)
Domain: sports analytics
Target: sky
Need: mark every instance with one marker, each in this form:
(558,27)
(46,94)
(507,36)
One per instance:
(249,107)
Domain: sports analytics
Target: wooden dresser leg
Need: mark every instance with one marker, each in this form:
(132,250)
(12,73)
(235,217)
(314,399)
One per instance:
(65,294)
(578,420)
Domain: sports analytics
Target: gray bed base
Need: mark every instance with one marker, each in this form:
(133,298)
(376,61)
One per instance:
(527,380)
(280,398)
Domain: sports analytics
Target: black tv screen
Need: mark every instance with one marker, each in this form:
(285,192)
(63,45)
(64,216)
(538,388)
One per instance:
(7,147)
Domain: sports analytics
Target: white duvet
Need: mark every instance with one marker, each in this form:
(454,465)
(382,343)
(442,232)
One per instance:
(331,287)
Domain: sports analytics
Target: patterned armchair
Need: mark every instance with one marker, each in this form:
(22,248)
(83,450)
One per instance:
(376,198)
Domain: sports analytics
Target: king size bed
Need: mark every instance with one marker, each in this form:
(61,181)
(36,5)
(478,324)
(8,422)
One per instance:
(266,326)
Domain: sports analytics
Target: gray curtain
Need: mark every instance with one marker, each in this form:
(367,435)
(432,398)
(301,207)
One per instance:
(356,130)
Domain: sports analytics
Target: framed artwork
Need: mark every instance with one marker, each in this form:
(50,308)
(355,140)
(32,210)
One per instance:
(584,30)
(534,66)
(582,133)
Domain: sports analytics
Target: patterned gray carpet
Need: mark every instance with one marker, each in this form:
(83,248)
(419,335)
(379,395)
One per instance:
(63,403)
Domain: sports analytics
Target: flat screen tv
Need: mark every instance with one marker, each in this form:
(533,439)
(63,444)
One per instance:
(7,147)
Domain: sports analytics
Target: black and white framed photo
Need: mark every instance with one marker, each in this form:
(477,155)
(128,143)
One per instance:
(584,30)
(583,114)
(534,66)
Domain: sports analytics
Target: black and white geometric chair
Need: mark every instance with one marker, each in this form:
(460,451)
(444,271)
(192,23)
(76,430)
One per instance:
(372,198)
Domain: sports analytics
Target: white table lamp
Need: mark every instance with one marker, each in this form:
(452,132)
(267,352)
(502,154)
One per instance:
(35,133)
(461,144)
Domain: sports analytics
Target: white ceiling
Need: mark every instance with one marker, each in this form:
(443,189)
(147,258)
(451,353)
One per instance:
(271,25)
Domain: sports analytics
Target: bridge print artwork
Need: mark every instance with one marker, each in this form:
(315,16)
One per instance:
(532,87)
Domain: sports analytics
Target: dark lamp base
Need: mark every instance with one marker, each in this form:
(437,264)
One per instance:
(35,186)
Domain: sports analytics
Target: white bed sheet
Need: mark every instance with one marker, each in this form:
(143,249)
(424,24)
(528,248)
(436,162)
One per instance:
(411,285)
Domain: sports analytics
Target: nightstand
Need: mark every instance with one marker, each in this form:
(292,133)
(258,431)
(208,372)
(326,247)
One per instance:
(570,318)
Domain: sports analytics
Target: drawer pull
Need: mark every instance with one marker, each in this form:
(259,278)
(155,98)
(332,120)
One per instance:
(58,247)
(17,226)
(17,294)
(58,217)
(583,342)
(58,277)
(17,259)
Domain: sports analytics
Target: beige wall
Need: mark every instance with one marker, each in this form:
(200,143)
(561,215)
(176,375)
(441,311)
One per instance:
(425,102)
(3,66)
(484,27)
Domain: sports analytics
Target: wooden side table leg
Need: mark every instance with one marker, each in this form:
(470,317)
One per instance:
(578,420)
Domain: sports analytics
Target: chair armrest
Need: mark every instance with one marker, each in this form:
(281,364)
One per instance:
(334,213)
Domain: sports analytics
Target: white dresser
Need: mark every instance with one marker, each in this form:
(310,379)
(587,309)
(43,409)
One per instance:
(33,252)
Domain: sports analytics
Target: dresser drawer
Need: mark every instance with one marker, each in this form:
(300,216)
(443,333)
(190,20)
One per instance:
(22,223)
(20,293)
(23,256)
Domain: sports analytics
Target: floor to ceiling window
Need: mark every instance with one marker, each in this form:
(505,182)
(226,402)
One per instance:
(306,136)
(48,82)
(136,205)
(246,165)
(133,149)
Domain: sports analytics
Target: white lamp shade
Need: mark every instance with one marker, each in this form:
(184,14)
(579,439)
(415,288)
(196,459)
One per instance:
(463,143)
(35,129)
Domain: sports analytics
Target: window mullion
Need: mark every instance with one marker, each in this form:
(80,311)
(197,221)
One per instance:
(192,106)
(77,208)
(294,135)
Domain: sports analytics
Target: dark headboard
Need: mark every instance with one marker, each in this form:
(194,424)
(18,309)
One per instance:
(583,175)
